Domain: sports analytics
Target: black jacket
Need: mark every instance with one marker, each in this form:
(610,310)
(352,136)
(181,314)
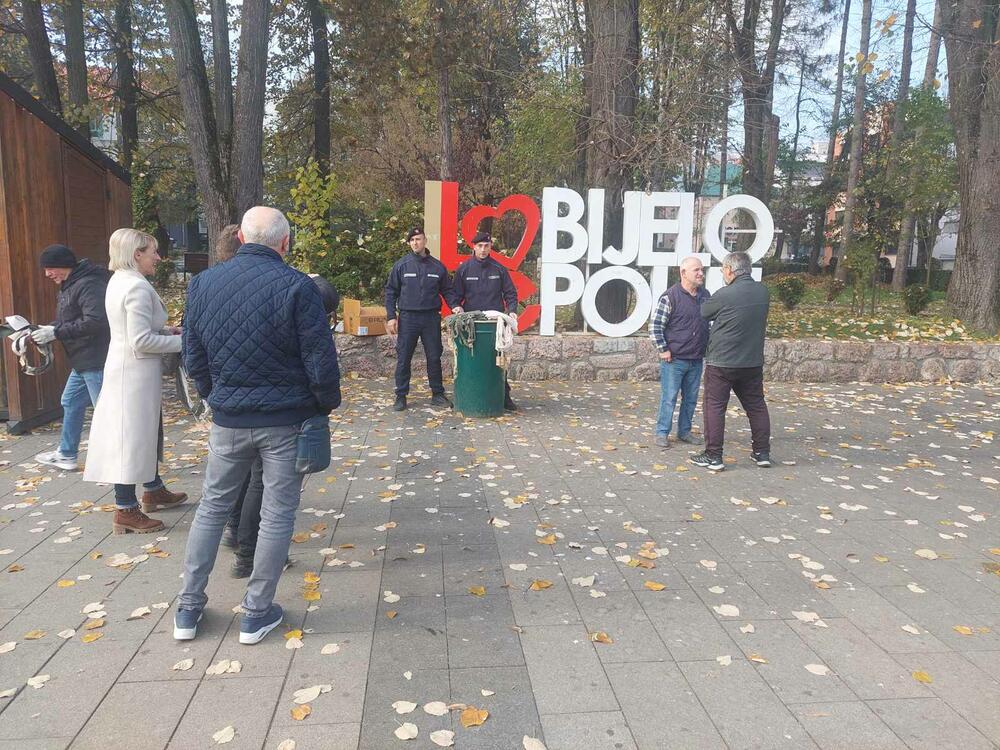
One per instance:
(484,285)
(81,320)
(739,319)
(416,284)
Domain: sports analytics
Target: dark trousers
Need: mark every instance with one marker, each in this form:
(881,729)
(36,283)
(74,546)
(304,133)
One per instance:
(245,516)
(748,385)
(425,326)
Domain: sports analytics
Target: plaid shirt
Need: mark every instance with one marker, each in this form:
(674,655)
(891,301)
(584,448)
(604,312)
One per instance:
(658,324)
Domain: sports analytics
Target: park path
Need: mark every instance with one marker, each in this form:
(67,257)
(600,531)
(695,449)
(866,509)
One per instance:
(549,568)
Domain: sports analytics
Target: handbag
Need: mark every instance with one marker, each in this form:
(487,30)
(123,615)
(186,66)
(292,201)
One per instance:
(312,446)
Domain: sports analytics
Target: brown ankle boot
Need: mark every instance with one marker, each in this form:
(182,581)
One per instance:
(161,498)
(134,521)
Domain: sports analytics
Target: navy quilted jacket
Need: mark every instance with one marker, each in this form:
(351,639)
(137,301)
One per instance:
(257,343)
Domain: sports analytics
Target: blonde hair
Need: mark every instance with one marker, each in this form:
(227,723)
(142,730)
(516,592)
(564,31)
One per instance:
(123,245)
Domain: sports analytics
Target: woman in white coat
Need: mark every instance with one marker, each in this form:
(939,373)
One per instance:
(126,433)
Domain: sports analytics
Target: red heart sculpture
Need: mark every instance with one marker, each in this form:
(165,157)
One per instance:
(532,217)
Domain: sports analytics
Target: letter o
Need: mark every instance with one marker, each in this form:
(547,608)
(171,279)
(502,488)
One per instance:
(762,220)
(643,304)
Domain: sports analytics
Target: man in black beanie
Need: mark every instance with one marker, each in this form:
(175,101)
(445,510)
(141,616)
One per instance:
(82,326)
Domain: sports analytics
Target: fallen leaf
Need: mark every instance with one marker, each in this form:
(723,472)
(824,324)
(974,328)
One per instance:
(293,643)
(584,581)
(530,743)
(293,634)
(477,590)
(183,666)
(601,637)
(927,554)
(302,536)
(91,637)
(65,583)
(473,717)
(94,624)
(286,745)
(487,693)
(404,707)
(963,630)
(310,577)
(758,659)
(139,613)
(539,584)
(443,738)
(311,596)
(518,566)
(224,735)
(330,648)
(547,539)
(654,586)
(300,712)
(727,610)
(724,660)
(8,646)
(391,614)
(309,694)
(407,731)
(38,681)
(436,708)
(910,629)
(818,669)
(922,677)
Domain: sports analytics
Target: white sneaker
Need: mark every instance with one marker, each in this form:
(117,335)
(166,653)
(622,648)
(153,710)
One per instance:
(57,459)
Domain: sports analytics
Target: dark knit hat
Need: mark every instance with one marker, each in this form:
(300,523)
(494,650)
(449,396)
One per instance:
(414,232)
(57,256)
(482,237)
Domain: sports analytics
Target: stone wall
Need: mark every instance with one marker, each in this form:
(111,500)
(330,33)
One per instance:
(590,358)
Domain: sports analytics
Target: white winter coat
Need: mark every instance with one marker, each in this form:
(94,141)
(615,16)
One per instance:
(125,430)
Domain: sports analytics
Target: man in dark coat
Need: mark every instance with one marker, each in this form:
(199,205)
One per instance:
(413,295)
(81,325)
(481,283)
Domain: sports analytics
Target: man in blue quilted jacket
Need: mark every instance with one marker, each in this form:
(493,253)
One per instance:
(258,346)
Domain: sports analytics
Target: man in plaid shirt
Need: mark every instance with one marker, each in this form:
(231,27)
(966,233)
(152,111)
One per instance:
(681,337)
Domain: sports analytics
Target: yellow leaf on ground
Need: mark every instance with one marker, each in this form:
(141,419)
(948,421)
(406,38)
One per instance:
(922,677)
(34,635)
(473,717)
(91,637)
(319,528)
(963,629)
(477,590)
(547,539)
(301,712)
(601,637)
(391,614)
(65,583)
(94,624)
(310,577)
(302,536)
(293,634)
(758,658)
(995,551)
(311,596)
(696,516)
(654,586)
(539,584)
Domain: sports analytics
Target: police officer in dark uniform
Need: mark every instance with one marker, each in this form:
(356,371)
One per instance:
(481,283)
(415,287)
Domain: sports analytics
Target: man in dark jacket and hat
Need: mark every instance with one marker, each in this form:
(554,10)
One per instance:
(82,326)
(482,283)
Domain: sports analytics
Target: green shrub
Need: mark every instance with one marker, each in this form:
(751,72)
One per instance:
(834,287)
(791,290)
(916,298)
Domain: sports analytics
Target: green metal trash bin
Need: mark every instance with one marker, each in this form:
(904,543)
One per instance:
(479,389)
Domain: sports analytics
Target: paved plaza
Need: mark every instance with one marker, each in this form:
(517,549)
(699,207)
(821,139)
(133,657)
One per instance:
(547,575)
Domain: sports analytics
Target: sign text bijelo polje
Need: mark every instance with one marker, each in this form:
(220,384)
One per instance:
(573,237)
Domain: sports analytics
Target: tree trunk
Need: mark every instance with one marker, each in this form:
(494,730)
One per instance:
(790,177)
(441,9)
(222,65)
(613,27)
(857,143)
(585,62)
(321,86)
(246,165)
(33,20)
(905,239)
(969,29)
(76,67)
(908,221)
(125,90)
(820,220)
(199,118)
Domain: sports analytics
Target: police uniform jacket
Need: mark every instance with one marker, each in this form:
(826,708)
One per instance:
(416,284)
(484,285)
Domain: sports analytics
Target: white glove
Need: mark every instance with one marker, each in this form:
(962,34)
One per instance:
(457,309)
(44,334)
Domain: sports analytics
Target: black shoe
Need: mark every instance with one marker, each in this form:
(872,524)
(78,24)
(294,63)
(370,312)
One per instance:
(509,405)
(229,537)
(400,404)
(761,459)
(439,399)
(241,568)
(709,462)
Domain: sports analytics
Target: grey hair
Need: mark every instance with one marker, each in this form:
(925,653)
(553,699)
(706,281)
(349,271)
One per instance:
(690,261)
(266,226)
(738,263)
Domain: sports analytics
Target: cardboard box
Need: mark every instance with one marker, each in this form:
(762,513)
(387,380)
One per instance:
(363,321)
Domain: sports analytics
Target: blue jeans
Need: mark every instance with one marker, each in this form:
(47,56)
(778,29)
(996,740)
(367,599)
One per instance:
(125,498)
(232,452)
(82,388)
(680,376)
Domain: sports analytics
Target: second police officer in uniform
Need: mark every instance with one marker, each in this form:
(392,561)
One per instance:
(481,283)
(413,311)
